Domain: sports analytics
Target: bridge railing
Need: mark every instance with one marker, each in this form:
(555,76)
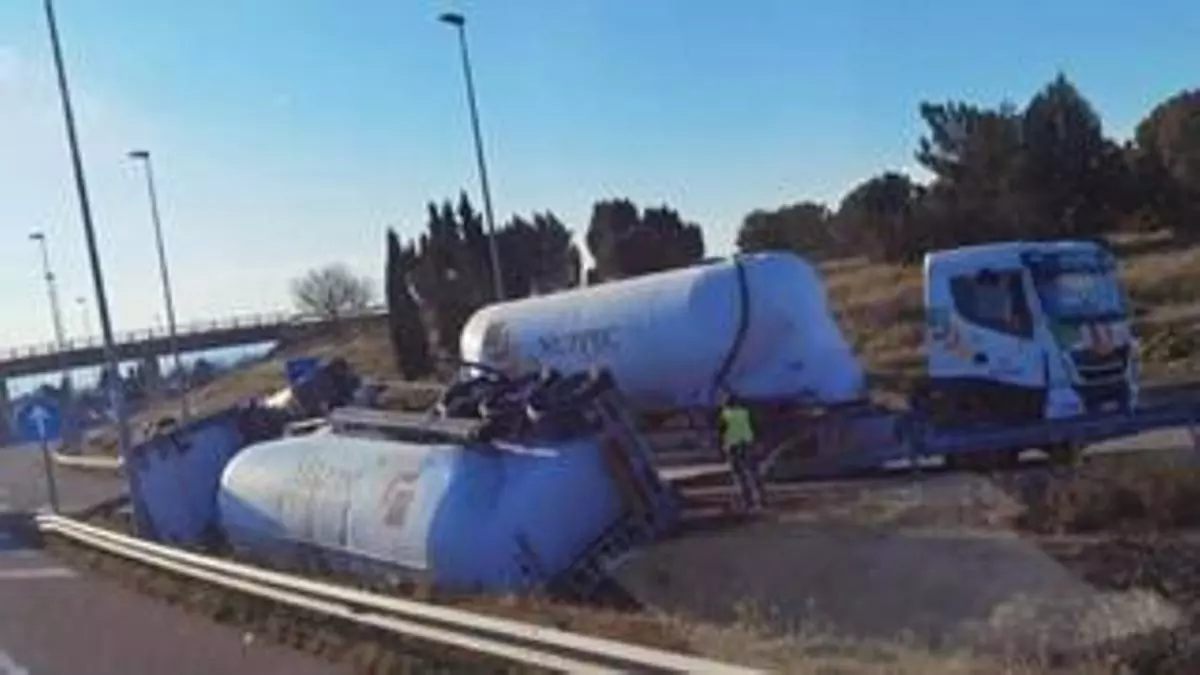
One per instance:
(249,321)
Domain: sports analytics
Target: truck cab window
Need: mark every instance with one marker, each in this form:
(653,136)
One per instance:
(993,300)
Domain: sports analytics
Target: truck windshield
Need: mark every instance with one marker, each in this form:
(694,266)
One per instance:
(1081,292)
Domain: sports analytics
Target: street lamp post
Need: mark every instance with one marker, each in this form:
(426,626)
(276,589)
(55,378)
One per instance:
(84,324)
(60,340)
(141,524)
(55,312)
(143,156)
(460,24)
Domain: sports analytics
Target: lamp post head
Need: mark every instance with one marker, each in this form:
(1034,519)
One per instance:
(452,18)
(37,236)
(139,154)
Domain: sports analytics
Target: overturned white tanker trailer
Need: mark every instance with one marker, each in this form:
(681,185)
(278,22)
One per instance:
(542,494)
(466,517)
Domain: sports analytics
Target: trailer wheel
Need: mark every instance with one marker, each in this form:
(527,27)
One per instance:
(1065,454)
(984,461)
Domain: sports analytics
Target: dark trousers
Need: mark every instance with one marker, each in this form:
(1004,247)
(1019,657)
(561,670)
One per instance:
(744,467)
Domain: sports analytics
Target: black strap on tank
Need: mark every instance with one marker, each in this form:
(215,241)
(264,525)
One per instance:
(743,325)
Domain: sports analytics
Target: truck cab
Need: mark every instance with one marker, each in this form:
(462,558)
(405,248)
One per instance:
(1024,331)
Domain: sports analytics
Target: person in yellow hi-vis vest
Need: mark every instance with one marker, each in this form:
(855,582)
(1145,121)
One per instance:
(737,441)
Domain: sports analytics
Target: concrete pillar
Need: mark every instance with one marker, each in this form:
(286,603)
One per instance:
(72,414)
(6,414)
(151,375)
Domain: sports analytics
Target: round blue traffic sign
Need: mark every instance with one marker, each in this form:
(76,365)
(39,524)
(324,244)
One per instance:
(39,419)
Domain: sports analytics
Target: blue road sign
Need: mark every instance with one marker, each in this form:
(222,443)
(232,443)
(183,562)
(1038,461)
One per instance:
(39,419)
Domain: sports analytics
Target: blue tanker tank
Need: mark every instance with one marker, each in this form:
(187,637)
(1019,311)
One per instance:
(483,516)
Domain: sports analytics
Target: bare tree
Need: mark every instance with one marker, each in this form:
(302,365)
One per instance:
(332,292)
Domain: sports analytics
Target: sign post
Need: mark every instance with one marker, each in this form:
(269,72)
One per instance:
(40,418)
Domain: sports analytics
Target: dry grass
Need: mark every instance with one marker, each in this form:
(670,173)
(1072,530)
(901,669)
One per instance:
(880,309)
(815,651)
(1167,565)
(367,348)
(1123,497)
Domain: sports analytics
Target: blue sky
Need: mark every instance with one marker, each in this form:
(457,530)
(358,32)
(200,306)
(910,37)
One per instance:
(290,133)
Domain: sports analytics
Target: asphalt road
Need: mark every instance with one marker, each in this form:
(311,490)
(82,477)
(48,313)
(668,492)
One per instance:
(58,621)
(23,486)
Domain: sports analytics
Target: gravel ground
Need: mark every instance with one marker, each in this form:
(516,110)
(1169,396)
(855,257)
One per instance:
(1169,565)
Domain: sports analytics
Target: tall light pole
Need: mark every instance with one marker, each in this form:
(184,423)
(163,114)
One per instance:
(116,398)
(60,341)
(85,324)
(460,23)
(143,157)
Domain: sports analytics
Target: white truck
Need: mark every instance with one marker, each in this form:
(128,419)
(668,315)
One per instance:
(1016,332)
(1020,331)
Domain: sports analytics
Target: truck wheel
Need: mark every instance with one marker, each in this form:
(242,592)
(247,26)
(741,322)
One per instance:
(1006,460)
(936,407)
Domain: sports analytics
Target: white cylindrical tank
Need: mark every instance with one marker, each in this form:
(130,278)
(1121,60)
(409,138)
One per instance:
(757,324)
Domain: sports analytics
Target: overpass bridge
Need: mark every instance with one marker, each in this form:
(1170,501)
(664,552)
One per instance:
(148,345)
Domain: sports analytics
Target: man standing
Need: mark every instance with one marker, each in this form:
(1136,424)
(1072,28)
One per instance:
(737,440)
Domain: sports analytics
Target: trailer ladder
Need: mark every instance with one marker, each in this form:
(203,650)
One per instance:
(658,500)
(652,510)
(591,569)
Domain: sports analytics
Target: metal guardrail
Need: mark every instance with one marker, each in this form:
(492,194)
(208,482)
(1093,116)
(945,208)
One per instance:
(249,321)
(514,641)
(88,462)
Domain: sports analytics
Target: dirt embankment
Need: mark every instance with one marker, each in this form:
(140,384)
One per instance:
(1027,572)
